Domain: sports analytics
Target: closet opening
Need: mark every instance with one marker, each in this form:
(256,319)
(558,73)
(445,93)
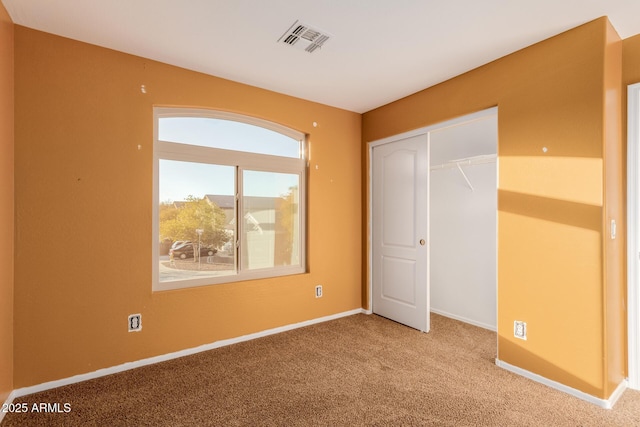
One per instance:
(433,210)
(463,221)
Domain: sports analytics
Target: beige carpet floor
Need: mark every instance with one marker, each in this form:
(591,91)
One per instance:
(359,370)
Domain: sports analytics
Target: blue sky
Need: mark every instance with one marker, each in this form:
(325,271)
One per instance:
(181,179)
(227,134)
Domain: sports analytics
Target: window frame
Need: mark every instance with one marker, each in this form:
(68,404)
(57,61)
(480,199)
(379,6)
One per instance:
(163,150)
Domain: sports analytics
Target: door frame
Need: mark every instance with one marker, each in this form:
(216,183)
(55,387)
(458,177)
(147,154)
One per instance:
(633,235)
(390,139)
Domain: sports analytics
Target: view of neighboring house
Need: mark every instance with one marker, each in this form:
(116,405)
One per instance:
(265,232)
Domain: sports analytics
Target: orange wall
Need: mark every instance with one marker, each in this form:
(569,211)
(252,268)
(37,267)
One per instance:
(631,60)
(6,204)
(551,212)
(83,212)
(615,338)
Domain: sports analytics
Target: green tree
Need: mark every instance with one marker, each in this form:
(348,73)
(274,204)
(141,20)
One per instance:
(181,222)
(168,211)
(286,214)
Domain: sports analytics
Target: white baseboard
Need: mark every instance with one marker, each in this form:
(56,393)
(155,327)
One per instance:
(9,400)
(464,319)
(603,403)
(169,356)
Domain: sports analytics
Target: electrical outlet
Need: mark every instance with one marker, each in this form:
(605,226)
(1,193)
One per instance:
(318,291)
(135,322)
(520,329)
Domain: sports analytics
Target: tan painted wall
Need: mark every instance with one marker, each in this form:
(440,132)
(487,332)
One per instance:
(551,206)
(83,212)
(6,204)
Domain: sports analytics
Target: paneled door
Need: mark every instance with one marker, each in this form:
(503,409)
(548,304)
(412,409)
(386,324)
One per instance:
(400,271)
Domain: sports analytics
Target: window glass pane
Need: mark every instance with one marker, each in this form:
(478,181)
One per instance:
(270,211)
(202,237)
(228,135)
(196,220)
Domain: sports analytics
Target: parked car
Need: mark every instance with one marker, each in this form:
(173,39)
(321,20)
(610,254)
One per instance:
(179,243)
(185,249)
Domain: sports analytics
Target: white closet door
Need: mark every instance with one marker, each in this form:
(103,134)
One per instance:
(400,209)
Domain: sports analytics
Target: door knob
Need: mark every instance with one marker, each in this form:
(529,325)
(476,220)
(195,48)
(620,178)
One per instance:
(422,242)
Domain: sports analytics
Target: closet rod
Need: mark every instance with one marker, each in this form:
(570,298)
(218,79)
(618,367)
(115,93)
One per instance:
(476,160)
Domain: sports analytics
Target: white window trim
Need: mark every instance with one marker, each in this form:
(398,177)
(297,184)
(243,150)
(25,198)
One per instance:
(224,115)
(250,161)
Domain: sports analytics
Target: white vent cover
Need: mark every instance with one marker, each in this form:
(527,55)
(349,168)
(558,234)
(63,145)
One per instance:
(304,37)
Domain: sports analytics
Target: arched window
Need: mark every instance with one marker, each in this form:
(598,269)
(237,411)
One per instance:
(229,198)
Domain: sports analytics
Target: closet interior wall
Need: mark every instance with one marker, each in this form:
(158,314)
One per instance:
(463,216)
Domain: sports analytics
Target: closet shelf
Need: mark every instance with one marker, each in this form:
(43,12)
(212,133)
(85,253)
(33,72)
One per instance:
(476,160)
(458,163)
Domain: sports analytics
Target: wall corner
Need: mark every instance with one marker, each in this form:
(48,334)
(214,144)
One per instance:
(6,202)
(614,216)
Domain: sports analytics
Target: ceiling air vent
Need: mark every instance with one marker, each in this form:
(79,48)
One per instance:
(303,37)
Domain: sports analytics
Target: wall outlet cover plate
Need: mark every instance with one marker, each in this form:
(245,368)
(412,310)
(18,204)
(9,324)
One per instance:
(135,322)
(520,329)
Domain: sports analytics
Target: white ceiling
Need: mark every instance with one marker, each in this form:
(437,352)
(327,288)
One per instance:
(380,50)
